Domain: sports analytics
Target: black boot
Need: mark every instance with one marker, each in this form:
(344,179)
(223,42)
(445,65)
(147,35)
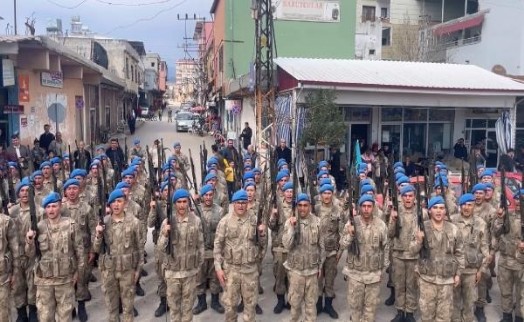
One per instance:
(328,308)
(507,317)
(135,312)
(319,305)
(391,299)
(82,314)
(33,316)
(281,303)
(22,314)
(518,319)
(240,307)
(399,317)
(215,304)
(162,307)
(479,314)
(139,291)
(258,310)
(201,305)
(409,317)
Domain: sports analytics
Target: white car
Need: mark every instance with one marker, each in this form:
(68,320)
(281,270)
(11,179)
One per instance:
(183,121)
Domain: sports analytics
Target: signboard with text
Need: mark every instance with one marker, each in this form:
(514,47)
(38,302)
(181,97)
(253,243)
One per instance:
(308,10)
(8,72)
(52,79)
(13,109)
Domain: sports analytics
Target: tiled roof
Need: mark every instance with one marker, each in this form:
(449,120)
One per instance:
(396,74)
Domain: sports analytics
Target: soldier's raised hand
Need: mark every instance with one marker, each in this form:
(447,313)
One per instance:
(456,281)
(393,215)
(262,230)
(520,245)
(420,236)
(350,228)
(99,229)
(152,204)
(29,236)
(292,220)
(500,213)
(166,230)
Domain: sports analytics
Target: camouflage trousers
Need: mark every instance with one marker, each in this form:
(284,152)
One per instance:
(240,284)
(510,288)
(483,286)
(162,287)
(205,273)
(435,301)
(82,285)
(464,299)
(5,298)
(303,289)
(181,294)
(119,287)
(24,289)
(362,300)
(326,282)
(55,300)
(280,273)
(405,282)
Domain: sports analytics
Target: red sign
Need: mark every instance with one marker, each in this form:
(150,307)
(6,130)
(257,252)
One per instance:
(23,88)
(13,109)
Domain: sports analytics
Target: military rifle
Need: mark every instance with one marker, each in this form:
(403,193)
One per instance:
(169,216)
(100,184)
(193,173)
(162,152)
(424,251)
(126,161)
(443,194)
(153,186)
(11,187)
(298,229)
(30,162)
(521,203)
(159,162)
(394,199)
(354,247)
(506,226)
(62,169)
(5,197)
(104,176)
(261,206)
(81,157)
(473,178)
(72,164)
(34,221)
(311,186)
(463,178)
(55,180)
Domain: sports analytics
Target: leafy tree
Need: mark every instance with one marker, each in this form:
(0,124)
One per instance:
(324,122)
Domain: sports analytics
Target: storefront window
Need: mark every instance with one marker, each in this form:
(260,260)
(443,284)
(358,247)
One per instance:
(439,139)
(438,114)
(414,141)
(411,114)
(391,114)
(391,136)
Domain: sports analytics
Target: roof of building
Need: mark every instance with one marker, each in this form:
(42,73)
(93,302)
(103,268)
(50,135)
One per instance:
(396,74)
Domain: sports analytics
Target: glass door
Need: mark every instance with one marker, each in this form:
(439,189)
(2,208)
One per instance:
(391,135)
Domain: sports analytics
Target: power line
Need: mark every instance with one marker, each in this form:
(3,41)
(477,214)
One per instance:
(67,7)
(133,4)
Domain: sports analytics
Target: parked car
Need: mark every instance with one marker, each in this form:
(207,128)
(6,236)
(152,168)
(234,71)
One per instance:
(144,111)
(183,121)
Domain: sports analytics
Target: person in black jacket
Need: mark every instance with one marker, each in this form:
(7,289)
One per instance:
(81,157)
(246,135)
(507,162)
(46,138)
(461,152)
(116,155)
(283,152)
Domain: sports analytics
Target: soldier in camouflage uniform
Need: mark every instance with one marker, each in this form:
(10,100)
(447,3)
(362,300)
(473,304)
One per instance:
(48,181)
(136,150)
(492,198)
(236,253)
(510,268)
(332,222)
(66,166)
(154,220)
(212,214)
(451,200)
(40,190)
(441,271)
(184,256)
(220,197)
(119,242)
(476,252)
(182,158)
(306,255)
(276,223)
(364,271)
(58,171)
(403,261)
(84,194)
(9,263)
(14,174)
(58,258)
(24,290)
(484,210)
(84,217)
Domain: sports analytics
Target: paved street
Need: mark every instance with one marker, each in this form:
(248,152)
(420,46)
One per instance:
(146,305)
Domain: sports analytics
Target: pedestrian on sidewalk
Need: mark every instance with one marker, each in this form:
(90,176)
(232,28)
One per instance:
(160,115)
(170,115)
(131,122)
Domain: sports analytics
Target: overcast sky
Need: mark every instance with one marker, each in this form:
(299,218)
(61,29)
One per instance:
(152,21)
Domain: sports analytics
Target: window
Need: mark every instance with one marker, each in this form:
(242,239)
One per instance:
(412,114)
(153,64)
(220,59)
(437,114)
(127,68)
(386,36)
(383,13)
(372,52)
(391,114)
(368,13)
(132,73)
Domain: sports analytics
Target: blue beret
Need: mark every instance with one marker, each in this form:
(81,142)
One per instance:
(366,188)
(321,173)
(71,182)
(365,181)
(441,166)
(365,198)
(281,175)
(179,194)
(171,159)
(407,189)
(51,198)
(402,180)
(23,183)
(166,166)
(467,197)
(94,163)
(249,184)
(518,193)
(322,164)
(288,185)
(247,168)
(398,164)
(480,166)
(247,157)
(303,197)
(55,160)
(117,193)
(281,162)
(399,175)
(37,173)
(45,164)
(286,171)
(122,184)
(102,156)
(399,170)
(435,201)
(164,185)
(362,166)
(240,195)
(136,141)
(326,187)
(78,173)
(256,170)
(212,161)
(487,173)
(489,185)
(439,163)
(445,182)
(324,181)
(210,176)
(136,162)
(128,172)
(12,164)
(478,187)
(176,144)
(205,189)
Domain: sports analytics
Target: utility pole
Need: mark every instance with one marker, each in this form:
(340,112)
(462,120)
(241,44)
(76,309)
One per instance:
(264,78)
(16,30)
